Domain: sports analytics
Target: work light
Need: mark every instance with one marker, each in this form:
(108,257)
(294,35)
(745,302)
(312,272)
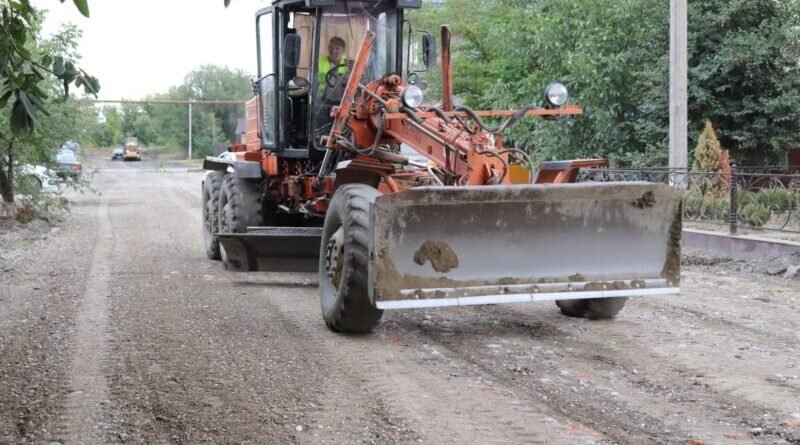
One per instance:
(556,94)
(411,96)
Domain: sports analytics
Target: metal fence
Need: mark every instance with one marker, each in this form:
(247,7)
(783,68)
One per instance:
(755,201)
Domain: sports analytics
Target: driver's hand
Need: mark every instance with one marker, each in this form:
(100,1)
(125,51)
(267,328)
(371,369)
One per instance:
(350,63)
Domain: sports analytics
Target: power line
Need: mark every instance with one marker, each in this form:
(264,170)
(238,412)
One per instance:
(169,101)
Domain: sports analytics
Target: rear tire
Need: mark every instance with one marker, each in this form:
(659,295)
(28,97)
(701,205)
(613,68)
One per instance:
(344,262)
(211,189)
(592,308)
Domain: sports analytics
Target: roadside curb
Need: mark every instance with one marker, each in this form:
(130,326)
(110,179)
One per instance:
(737,246)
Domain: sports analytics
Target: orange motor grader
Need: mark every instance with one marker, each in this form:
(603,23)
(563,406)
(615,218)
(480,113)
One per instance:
(397,204)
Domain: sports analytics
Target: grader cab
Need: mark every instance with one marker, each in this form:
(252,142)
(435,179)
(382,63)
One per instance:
(400,203)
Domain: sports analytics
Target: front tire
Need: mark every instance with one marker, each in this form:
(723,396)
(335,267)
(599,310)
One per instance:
(239,207)
(344,262)
(211,190)
(592,308)
(239,204)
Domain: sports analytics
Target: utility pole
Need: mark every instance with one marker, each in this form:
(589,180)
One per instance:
(678,85)
(190,128)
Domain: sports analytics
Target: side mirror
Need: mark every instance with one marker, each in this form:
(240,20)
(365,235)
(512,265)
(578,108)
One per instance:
(428,50)
(291,50)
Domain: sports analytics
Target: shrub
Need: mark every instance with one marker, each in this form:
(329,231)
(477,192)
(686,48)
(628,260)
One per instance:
(755,214)
(33,202)
(693,204)
(744,198)
(777,199)
(708,151)
(713,208)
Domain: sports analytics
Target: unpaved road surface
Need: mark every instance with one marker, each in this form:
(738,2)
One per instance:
(115,328)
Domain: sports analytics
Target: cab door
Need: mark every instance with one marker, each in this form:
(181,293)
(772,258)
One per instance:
(267,78)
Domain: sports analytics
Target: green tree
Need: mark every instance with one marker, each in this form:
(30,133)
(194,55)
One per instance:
(29,73)
(744,74)
(211,124)
(708,152)
(210,82)
(505,53)
(612,55)
(110,126)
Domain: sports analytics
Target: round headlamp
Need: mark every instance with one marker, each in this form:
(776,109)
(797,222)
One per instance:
(411,96)
(556,94)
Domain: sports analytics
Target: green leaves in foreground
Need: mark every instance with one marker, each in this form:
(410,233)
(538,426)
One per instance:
(82,5)
(24,68)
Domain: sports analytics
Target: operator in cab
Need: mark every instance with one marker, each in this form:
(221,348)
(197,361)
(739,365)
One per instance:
(332,72)
(336,57)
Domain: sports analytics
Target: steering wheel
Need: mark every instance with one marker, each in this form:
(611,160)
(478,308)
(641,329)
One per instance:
(332,75)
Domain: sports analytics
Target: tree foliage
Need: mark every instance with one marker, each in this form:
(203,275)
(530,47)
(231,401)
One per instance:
(25,66)
(35,76)
(506,53)
(613,57)
(708,152)
(744,74)
(166,125)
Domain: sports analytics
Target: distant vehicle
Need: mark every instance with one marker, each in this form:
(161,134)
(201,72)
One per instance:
(67,164)
(131,150)
(117,153)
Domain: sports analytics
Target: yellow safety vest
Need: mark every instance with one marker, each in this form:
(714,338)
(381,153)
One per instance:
(325,66)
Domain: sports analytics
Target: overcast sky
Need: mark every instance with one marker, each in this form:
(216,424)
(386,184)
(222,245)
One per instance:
(141,47)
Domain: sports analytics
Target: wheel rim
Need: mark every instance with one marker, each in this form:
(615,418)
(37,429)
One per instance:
(334,257)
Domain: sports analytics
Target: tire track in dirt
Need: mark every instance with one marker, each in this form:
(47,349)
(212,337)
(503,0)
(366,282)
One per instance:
(609,374)
(343,391)
(720,323)
(202,360)
(37,312)
(754,302)
(713,347)
(340,393)
(527,357)
(443,407)
(89,389)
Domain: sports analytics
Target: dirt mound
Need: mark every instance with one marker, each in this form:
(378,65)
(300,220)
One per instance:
(787,266)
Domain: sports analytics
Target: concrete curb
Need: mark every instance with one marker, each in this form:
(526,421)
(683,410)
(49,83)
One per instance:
(737,246)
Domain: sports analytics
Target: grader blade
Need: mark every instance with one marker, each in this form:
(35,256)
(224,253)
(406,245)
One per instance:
(271,249)
(448,246)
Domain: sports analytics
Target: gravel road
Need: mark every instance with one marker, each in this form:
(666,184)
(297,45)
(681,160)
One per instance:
(115,328)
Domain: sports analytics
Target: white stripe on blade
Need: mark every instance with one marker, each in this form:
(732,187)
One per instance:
(522,298)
